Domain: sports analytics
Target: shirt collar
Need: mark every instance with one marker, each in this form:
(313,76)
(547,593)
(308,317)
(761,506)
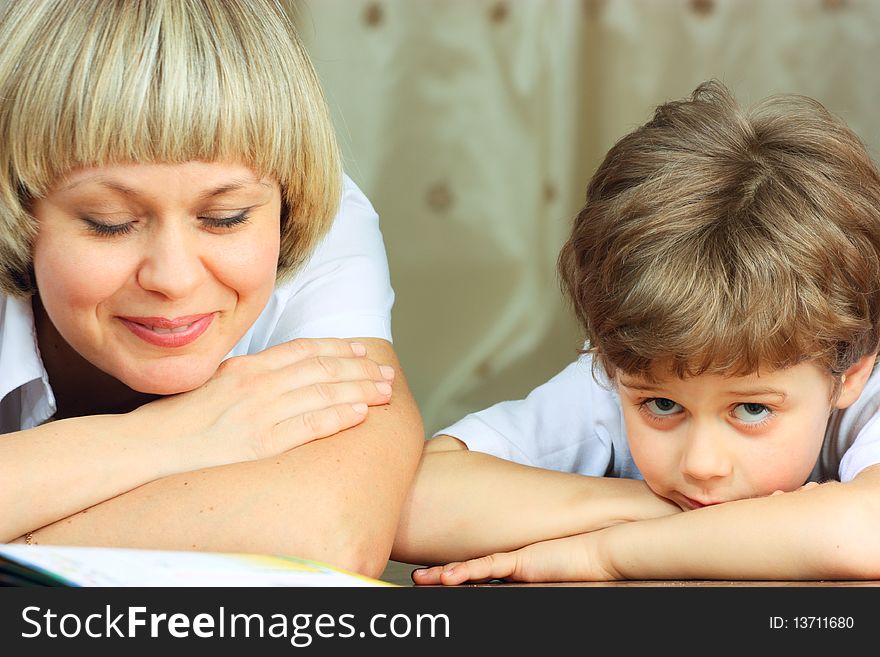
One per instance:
(20,361)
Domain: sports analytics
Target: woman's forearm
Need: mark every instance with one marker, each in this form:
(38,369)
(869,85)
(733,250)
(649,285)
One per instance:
(60,468)
(466,504)
(336,499)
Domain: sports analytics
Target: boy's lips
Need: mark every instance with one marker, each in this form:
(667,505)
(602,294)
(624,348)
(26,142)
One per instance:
(164,332)
(696,504)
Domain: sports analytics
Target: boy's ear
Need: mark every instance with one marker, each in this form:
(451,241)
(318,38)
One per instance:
(854,380)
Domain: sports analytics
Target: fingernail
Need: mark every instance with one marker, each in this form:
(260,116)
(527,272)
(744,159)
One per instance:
(420,571)
(358,349)
(387,371)
(449,572)
(359,408)
(384,387)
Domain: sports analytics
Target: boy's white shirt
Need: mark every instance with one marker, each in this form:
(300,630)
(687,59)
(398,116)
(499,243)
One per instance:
(343,291)
(572,423)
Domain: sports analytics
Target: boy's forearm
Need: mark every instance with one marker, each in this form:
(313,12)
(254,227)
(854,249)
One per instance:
(828,532)
(466,504)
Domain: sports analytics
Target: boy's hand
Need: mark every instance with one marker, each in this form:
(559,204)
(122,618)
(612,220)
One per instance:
(806,486)
(573,558)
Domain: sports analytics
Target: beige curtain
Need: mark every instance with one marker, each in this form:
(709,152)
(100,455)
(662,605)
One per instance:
(474,125)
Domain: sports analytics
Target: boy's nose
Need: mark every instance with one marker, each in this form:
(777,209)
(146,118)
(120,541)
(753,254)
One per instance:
(705,455)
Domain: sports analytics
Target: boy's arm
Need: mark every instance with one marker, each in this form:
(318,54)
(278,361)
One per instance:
(830,531)
(826,532)
(465,504)
(336,499)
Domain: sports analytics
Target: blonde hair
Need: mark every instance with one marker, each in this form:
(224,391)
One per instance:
(96,82)
(715,240)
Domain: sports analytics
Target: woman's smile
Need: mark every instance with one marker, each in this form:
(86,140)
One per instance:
(169,333)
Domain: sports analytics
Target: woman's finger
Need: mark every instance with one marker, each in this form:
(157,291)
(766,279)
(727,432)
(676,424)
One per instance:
(332,369)
(324,395)
(295,351)
(313,425)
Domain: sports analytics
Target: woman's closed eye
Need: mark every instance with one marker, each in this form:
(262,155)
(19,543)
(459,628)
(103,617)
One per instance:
(107,228)
(226,221)
(116,229)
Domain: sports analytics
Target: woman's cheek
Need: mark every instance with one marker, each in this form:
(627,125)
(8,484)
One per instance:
(248,266)
(77,278)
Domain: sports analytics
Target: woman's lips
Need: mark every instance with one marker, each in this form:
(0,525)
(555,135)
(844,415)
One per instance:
(171,333)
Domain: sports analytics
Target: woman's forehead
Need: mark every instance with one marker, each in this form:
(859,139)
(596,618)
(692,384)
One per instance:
(209,178)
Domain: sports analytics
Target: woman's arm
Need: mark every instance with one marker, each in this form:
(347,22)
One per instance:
(253,407)
(826,532)
(466,504)
(57,469)
(336,500)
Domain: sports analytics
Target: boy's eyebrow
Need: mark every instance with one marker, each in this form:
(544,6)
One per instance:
(758,392)
(638,385)
(746,392)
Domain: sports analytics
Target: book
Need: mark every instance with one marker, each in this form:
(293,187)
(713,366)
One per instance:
(52,565)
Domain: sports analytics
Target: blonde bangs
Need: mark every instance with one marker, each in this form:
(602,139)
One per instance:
(167,81)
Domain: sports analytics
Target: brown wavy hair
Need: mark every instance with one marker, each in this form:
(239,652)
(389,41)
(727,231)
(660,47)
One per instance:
(727,241)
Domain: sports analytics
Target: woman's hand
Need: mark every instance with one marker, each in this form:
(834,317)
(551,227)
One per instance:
(263,404)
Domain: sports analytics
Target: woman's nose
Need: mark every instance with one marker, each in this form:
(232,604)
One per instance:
(171,263)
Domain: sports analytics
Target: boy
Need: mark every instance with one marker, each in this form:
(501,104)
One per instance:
(726,270)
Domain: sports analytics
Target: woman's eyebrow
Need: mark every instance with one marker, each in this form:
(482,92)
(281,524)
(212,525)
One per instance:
(111,184)
(233,186)
(125,190)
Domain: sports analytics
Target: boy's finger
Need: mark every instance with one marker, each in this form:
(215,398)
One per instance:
(427,576)
(484,569)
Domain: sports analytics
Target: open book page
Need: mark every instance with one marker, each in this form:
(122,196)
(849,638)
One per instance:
(93,566)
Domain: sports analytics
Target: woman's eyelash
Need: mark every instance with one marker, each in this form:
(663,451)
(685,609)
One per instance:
(227,222)
(114,230)
(107,230)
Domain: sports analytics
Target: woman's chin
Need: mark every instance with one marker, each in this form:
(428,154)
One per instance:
(166,385)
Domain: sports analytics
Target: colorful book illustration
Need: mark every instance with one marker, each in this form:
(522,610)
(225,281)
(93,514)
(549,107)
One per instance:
(51,565)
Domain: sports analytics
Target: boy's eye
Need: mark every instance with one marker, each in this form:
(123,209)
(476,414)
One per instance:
(751,412)
(662,406)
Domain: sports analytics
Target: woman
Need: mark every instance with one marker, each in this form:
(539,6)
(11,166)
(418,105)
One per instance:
(192,291)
